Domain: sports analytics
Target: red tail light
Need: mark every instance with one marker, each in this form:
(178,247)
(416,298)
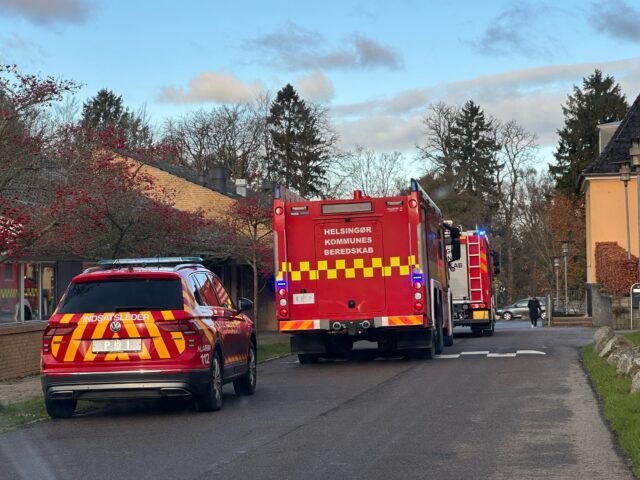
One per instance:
(185,327)
(58,330)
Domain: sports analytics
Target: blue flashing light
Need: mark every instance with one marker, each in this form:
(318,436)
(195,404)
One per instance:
(482,233)
(281,284)
(417,277)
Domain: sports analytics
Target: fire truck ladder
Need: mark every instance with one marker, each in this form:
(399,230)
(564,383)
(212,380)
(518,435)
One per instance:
(475,267)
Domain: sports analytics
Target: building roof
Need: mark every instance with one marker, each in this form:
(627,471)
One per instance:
(189,195)
(616,152)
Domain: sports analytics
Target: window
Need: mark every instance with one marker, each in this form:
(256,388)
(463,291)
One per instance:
(224,297)
(122,295)
(205,290)
(8,271)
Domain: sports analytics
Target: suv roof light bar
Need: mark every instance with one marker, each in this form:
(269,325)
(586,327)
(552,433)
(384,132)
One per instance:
(153,261)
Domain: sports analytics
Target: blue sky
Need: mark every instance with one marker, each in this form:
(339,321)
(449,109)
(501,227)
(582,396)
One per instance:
(376,65)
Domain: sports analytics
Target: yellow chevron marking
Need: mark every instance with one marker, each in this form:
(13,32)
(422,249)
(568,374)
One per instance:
(97,334)
(66,318)
(55,345)
(158,342)
(74,342)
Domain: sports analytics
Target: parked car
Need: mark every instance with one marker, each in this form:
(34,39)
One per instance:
(147,328)
(519,309)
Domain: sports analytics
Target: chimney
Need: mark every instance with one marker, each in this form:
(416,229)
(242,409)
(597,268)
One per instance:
(219,178)
(241,187)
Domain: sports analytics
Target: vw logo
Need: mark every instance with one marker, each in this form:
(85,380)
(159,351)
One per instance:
(115,326)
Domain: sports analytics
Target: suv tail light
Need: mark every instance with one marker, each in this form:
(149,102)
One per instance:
(58,330)
(184,327)
(55,331)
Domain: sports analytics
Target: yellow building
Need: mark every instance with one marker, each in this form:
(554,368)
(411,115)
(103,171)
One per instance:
(604,188)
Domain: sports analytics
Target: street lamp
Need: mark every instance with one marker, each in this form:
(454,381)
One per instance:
(625,176)
(565,254)
(634,155)
(556,267)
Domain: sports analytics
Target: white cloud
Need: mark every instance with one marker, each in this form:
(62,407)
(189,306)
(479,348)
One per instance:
(46,12)
(315,87)
(294,47)
(534,97)
(211,87)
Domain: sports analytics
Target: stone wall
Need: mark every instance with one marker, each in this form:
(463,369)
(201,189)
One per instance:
(20,346)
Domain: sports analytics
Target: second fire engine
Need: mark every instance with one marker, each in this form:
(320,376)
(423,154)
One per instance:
(472,283)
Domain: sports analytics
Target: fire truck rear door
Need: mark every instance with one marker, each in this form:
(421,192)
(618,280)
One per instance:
(350,258)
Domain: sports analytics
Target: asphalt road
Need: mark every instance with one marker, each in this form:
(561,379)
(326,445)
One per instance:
(474,416)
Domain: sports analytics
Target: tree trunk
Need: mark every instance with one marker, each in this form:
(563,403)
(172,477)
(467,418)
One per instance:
(510,263)
(254,269)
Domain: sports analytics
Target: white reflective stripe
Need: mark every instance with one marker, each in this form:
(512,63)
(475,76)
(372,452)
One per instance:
(530,352)
(455,355)
(480,352)
(384,321)
(499,355)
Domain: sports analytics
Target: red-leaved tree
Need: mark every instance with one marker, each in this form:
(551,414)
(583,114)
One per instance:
(246,236)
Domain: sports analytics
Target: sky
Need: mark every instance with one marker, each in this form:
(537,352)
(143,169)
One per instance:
(376,65)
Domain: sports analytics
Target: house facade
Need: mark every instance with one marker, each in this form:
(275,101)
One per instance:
(605,191)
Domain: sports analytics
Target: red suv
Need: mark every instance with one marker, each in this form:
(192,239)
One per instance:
(147,328)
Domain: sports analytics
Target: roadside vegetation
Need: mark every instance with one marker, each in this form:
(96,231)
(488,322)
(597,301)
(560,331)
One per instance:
(273,350)
(620,407)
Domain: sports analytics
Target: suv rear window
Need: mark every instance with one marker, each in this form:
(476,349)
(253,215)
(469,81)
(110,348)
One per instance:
(123,295)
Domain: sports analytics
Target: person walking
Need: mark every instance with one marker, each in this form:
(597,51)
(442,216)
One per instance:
(535,311)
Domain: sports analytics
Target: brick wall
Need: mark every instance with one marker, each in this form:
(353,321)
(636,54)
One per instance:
(20,349)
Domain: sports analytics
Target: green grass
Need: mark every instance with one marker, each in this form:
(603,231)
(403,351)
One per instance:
(634,337)
(621,408)
(21,413)
(265,352)
(29,411)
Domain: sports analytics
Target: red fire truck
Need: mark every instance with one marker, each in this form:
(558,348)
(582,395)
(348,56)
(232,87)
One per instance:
(362,269)
(472,283)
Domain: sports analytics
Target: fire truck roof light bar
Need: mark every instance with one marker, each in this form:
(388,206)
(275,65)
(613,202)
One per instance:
(118,262)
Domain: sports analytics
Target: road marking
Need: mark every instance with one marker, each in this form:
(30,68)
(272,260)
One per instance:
(488,354)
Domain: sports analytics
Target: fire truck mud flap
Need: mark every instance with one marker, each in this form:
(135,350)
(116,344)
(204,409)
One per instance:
(405,339)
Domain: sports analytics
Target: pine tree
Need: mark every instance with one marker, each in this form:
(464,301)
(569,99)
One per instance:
(473,146)
(106,110)
(598,101)
(301,143)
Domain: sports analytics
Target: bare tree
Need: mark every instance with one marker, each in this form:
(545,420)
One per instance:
(519,149)
(229,135)
(376,174)
(437,148)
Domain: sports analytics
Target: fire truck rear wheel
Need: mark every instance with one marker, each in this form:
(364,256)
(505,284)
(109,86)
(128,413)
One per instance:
(307,358)
(489,331)
(448,340)
(438,342)
(422,353)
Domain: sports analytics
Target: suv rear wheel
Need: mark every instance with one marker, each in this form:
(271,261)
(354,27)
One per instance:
(246,385)
(211,399)
(507,316)
(60,408)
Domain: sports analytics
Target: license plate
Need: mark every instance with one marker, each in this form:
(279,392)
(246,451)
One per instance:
(117,345)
